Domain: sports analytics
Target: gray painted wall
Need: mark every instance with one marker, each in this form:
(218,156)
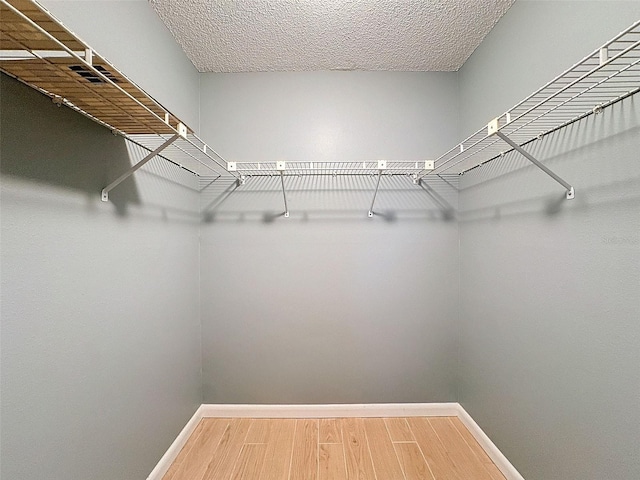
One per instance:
(100,303)
(100,343)
(328,306)
(535,41)
(550,289)
(100,334)
(326,115)
(130,35)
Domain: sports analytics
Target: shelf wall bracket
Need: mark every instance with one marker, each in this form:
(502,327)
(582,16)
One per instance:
(281,166)
(132,170)
(382,165)
(494,129)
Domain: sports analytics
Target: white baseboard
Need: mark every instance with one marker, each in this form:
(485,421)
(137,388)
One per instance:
(174,449)
(504,465)
(332,411)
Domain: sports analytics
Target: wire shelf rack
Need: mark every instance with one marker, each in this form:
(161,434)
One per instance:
(189,153)
(41,52)
(38,50)
(328,167)
(604,77)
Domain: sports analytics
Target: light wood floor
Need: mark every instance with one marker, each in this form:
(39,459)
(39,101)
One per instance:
(416,448)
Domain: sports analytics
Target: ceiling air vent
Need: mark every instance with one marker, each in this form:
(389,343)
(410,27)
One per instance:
(91,76)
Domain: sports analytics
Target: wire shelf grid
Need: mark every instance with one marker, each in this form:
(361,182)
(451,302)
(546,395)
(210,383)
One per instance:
(606,76)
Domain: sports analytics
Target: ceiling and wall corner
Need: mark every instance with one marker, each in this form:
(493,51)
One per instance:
(292,35)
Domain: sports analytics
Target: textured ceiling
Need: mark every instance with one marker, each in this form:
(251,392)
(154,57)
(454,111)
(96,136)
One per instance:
(299,35)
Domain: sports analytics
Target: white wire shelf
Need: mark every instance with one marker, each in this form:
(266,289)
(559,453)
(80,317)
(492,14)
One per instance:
(41,52)
(190,153)
(38,50)
(606,76)
(327,168)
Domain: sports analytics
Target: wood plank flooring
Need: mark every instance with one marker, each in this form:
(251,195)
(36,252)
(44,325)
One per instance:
(415,448)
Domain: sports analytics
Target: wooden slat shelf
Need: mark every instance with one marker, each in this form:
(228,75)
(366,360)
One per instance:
(38,50)
(58,74)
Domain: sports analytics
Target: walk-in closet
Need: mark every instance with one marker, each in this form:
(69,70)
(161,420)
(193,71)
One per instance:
(286,239)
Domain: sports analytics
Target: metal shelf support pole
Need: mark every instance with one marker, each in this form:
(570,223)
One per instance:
(493,129)
(281,166)
(284,195)
(128,173)
(375,194)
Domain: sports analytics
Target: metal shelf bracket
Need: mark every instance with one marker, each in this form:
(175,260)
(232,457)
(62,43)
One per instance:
(493,128)
(382,165)
(281,167)
(105,191)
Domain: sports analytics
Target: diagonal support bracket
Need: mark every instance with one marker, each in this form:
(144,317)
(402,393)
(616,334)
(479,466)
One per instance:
(493,129)
(132,170)
(382,165)
(281,166)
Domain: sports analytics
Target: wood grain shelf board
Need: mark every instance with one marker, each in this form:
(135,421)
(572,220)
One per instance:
(59,77)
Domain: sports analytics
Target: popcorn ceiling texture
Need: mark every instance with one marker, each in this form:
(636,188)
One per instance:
(303,35)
